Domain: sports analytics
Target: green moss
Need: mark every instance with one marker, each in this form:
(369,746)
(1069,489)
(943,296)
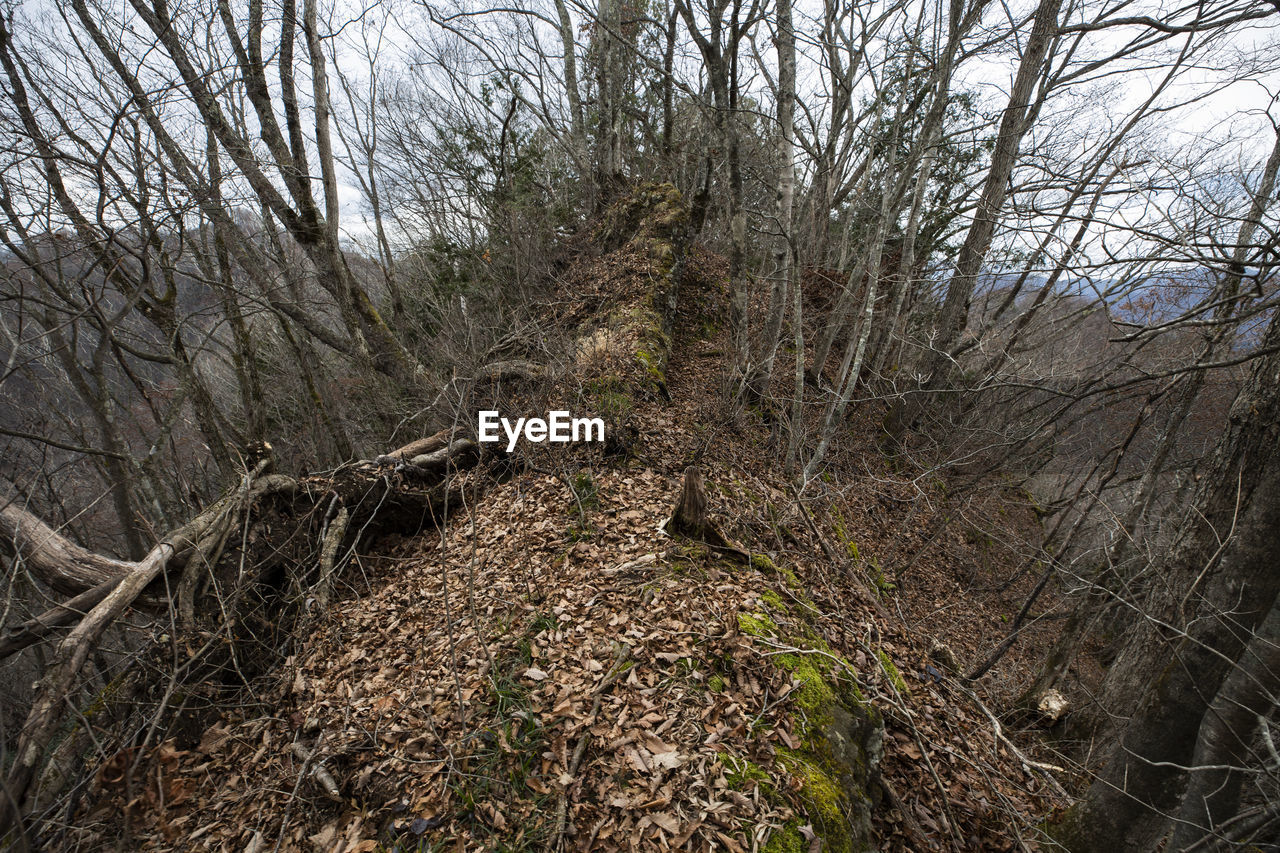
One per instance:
(1035,505)
(891,672)
(611,396)
(652,365)
(762,563)
(870,564)
(105,696)
(643,320)
(742,772)
(613,404)
(774,600)
(716,684)
(814,696)
(821,793)
(651,211)
(837,669)
(876,575)
(757,625)
(842,534)
(787,839)
(837,524)
(837,740)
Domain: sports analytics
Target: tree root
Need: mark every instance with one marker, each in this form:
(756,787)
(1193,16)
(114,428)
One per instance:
(215,550)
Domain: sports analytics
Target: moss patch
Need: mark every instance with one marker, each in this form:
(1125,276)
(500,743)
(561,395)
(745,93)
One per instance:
(891,672)
(742,774)
(815,696)
(762,563)
(787,839)
(774,600)
(820,791)
(757,625)
(641,323)
(645,231)
(838,738)
(654,212)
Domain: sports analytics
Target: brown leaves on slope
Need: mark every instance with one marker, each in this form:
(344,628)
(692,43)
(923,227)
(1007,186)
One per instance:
(556,655)
(449,704)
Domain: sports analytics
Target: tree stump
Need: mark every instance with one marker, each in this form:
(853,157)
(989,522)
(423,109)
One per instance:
(689,518)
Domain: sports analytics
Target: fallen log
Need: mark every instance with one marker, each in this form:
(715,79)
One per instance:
(56,561)
(430,444)
(215,551)
(46,624)
(43,718)
(437,462)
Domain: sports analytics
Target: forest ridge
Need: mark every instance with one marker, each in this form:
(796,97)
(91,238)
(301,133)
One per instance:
(935,357)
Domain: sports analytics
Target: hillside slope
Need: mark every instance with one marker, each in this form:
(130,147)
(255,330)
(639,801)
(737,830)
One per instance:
(552,670)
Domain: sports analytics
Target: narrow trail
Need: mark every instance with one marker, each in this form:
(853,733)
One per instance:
(551,671)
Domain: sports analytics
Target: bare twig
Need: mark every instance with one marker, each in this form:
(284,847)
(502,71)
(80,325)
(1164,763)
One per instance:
(562,808)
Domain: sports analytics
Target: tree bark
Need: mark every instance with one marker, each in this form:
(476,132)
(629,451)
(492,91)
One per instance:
(577,124)
(689,517)
(1227,737)
(55,560)
(783,253)
(1221,583)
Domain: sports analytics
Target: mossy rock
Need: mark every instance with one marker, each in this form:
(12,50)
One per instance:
(651,211)
(647,228)
(840,739)
(836,762)
(643,323)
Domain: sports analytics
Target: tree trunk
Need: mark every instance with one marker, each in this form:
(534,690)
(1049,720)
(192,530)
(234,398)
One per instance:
(719,53)
(783,253)
(690,518)
(1013,125)
(55,560)
(1227,737)
(577,125)
(690,515)
(856,348)
(1220,581)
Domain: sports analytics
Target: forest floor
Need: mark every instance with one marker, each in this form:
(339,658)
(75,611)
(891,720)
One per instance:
(550,670)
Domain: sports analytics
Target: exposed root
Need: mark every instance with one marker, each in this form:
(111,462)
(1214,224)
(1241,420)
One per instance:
(204,571)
